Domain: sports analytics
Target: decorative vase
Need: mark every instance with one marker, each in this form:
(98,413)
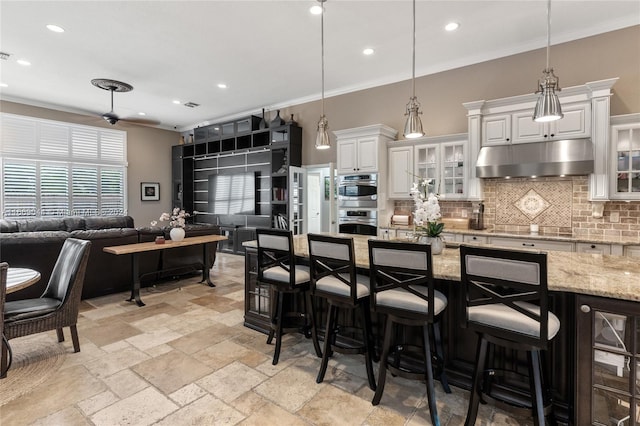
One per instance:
(263,123)
(437,245)
(176,234)
(277,121)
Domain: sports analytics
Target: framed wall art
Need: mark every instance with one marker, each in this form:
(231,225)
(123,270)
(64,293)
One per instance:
(149,191)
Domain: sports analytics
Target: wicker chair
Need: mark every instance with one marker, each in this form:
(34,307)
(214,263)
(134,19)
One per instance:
(3,293)
(59,304)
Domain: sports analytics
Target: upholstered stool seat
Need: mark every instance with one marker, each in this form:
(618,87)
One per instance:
(277,273)
(334,278)
(501,316)
(277,268)
(504,296)
(403,290)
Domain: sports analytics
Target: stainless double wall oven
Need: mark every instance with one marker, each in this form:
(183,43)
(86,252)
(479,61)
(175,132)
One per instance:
(357,204)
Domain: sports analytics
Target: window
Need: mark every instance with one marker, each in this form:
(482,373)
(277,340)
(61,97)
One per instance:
(51,168)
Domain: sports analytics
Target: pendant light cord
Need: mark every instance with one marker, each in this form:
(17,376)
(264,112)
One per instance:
(413,61)
(548,31)
(322,53)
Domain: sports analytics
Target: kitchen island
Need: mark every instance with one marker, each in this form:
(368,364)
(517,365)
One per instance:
(595,296)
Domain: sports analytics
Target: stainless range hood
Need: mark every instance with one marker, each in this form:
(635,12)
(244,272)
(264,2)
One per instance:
(549,158)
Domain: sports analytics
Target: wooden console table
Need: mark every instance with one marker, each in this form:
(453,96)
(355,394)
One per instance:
(137,248)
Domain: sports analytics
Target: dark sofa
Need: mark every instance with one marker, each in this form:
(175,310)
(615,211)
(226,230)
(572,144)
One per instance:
(36,243)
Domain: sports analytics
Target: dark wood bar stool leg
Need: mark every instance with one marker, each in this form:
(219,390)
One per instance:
(478,372)
(431,392)
(437,341)
(365,313)
(311,314)
(278,326)
(384,360)
(329,336)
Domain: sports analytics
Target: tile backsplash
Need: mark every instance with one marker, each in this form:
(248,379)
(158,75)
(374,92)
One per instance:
(560,206)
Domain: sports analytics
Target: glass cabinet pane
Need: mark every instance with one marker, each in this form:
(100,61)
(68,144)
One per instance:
(610,331)
(610,408)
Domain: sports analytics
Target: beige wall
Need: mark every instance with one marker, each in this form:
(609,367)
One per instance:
(148,155)
(613,54)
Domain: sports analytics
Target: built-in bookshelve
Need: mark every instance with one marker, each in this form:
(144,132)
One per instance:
(259,158)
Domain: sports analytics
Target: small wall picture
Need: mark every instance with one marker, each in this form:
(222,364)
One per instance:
(149,191)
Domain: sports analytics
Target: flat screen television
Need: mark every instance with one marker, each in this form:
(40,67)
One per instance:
(232,193)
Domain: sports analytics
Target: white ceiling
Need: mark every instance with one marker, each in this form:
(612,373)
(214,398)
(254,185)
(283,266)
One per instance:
(267,52)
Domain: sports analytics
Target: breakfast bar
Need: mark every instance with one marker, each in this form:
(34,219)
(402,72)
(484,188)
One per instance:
(588,293)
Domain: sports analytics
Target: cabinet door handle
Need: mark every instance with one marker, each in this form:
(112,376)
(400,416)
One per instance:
(585,308)
(552,135)
(528,245)
(593,246)
(508,139)
(546,136)
(474,238)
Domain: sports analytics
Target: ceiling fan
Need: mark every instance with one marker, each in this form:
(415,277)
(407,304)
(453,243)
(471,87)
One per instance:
(118,86)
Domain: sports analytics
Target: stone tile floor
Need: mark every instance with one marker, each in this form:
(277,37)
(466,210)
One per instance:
(186,359)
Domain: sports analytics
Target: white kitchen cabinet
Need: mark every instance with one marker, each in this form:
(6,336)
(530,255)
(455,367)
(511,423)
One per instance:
(632,251)
(450,237)
(481,239)
(496,129)
(363,149)
(525,243)
(358,155)
(400,171)
(404,234)
(576,123)
(624,174)
(441,158)
(446,163)
(593,248)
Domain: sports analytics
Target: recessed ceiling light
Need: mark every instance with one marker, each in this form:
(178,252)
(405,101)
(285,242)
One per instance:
(55,28)
(316,10)
(177,102)
(4,85)
(142,113)
(222,86)
(452,26)
(368,51)
(23,62)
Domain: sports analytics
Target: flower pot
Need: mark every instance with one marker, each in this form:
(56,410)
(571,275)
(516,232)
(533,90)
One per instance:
(437,245)
(176,234)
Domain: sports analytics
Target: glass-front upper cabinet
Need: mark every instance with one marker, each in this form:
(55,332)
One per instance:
(625,166)
(453,173)
(445,163)
(426,163)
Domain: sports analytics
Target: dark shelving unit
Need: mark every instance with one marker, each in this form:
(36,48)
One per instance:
(238,146)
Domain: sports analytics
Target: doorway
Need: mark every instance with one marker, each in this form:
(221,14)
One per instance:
(321,210)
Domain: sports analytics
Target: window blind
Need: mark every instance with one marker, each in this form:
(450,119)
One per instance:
(52,168)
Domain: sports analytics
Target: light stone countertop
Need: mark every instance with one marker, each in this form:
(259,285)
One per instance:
(617,277)
(624,241)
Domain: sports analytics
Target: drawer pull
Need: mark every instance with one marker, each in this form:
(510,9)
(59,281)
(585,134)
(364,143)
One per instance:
(593,246)
(585,308)
(528,245)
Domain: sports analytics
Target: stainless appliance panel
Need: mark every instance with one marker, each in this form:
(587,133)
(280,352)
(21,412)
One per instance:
(358,191)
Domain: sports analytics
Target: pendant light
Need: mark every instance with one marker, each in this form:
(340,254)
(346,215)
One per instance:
(322,138)
(413,126)
(548,105)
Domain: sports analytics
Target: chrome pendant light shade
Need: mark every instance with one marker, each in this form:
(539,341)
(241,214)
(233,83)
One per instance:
(322,138)
(548,106)
(413,126)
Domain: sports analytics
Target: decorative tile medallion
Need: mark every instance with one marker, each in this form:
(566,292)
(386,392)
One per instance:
(532,204)
(523,201)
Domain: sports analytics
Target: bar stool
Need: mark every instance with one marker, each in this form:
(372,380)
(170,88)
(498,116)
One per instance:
(504,298)
(278,269)
(334,277)
(403,288)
